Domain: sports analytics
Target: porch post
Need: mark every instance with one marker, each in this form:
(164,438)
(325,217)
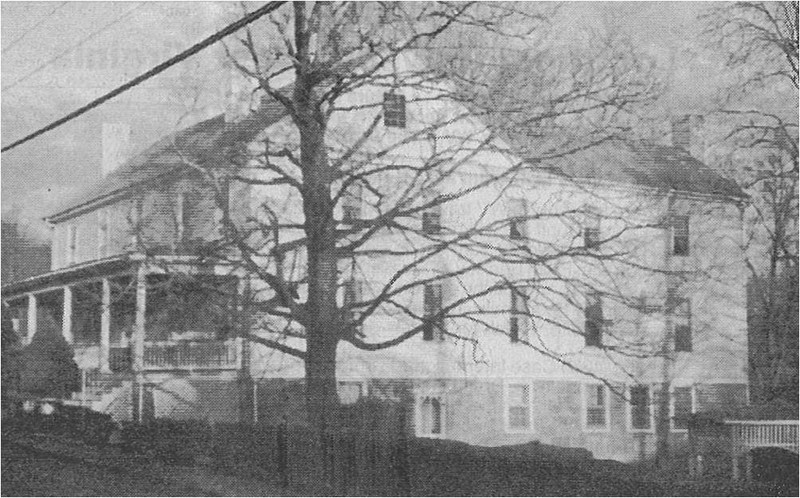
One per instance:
(32,314)
(141,308)
(66,321)
(138,340)
(105,327)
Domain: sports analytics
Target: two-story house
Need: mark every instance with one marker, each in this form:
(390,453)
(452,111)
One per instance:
(611,276)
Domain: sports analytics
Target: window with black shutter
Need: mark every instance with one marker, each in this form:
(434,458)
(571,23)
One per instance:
(432,220)
(596,406)
(519,317)
(394,110)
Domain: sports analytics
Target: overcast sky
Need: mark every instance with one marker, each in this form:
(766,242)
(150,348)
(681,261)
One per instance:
(57,56)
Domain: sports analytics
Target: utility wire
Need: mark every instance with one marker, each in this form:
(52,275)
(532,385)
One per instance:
(65,52)
(20,37)
(231,28)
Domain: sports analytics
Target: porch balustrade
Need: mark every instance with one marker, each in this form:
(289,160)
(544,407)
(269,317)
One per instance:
(748,434)
(180,355)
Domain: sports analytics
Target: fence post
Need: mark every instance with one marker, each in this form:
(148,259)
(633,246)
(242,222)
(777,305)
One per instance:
(283,457)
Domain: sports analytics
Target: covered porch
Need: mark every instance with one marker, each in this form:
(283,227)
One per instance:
(136,314)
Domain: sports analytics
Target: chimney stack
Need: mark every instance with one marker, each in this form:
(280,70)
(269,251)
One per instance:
(687,133)
(116,145)
(237,96)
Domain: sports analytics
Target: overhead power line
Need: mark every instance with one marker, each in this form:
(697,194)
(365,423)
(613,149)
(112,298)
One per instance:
(70,49)
(42,20)
(219,35)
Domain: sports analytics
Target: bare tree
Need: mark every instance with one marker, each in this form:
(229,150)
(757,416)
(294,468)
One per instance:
(759,44)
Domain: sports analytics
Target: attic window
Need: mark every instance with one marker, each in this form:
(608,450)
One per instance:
(394,110)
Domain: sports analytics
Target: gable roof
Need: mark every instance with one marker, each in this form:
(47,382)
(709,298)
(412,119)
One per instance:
(205,143)
(649,165)
(638,163)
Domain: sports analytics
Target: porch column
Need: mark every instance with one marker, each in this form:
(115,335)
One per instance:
(139,330)
(105,327)
(32,314)
(66,320)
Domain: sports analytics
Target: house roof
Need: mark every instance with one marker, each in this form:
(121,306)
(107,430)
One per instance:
(646,164)
(205,143)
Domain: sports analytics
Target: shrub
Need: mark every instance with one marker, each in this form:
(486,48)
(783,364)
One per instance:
(48,365)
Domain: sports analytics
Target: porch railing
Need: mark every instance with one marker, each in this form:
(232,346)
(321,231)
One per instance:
(749,434)
(191,355)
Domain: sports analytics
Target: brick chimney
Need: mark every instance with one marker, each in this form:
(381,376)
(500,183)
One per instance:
(687,133)
(116,146)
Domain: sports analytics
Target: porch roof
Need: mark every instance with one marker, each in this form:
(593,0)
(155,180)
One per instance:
(70,274)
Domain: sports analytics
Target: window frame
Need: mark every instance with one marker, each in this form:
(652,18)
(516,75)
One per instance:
(519,315)
(429,332)
(352,204)
(650,406)
(363,391)
(672,400)
(419,416)
(585,407)
(507,385)
(593,299)
(591,230)
(518,222)
(678,315)
(680,223)
(433,212)
(394,110)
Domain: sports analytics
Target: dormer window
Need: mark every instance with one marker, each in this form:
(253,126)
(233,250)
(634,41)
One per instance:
(394,110)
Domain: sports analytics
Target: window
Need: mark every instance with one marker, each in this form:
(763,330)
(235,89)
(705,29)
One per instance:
(519,319)
(394,110)
(593,315)
(434,322)
(517,224)
(680,235)
(432,220)
(682,407)
(591,229)
(430,417)
(72,243)
(351,391)
(518,408)
(351,294)
(683,326)
(351,204)
(640,408)
(596,405)
(102,233)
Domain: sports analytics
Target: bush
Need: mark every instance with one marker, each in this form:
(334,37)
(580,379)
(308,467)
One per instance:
(73,421)
(48,365)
